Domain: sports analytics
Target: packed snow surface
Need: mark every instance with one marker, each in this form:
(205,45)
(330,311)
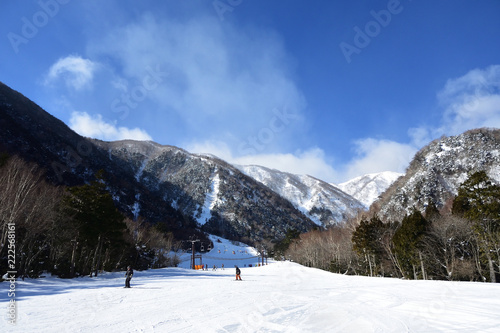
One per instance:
(278,297)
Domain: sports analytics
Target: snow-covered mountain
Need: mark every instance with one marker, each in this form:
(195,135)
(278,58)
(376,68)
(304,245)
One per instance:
(323,203)
(368,188)
(218,196)
(438,169)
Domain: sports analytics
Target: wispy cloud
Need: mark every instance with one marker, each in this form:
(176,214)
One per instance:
(96,127)
(310,162)
(471,101)
(224,81)
(374,155)
(467,102)
(75,71)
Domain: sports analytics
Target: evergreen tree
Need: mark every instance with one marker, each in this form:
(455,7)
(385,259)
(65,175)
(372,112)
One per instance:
(98,222)
(281,247)
(408,243)
(431,212)
(478,200)
(366,240)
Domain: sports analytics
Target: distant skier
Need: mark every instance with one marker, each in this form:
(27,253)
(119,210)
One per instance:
(128,276)
(238,273)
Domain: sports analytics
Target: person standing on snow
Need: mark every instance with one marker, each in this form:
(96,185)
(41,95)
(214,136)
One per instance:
(238,273)
(128,276)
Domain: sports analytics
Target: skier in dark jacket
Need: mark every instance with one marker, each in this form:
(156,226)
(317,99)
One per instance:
(238,272)
(128,276)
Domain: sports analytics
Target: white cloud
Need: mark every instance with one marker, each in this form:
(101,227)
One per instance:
(96,127)
(76,72)
(374,155)
(311,162)
(471,101)
(223,80)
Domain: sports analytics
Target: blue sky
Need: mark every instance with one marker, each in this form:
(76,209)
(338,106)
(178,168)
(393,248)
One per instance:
(334,89)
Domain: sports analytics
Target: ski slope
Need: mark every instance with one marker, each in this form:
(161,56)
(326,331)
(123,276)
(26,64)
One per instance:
(224,252)
(279,297)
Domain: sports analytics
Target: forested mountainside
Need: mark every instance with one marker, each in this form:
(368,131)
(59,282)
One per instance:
(219,197)
(438,169)
(70,159)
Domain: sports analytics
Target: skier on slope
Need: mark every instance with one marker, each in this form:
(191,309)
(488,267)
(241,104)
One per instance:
(128,276)
(238,273)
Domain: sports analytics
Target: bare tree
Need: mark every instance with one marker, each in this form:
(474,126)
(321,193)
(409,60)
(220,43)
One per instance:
(27,202)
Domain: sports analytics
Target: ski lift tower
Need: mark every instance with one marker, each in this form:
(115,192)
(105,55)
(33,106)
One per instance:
(262,255)
(193,256)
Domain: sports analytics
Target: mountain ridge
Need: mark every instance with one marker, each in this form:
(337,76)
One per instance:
(322,202)
(215,194)
(438,169)
(367,188)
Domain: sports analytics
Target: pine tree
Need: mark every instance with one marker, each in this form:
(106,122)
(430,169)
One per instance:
(98,222)
(478,200)
(408,243)
(281,247)
(366,241)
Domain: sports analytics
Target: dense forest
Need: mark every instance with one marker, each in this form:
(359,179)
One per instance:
(461,241)
(70,231)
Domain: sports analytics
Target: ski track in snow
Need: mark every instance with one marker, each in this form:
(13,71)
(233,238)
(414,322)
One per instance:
(210,199)
(279,297)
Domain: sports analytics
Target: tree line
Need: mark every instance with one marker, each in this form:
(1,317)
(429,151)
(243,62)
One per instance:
(461,241)
(72,231)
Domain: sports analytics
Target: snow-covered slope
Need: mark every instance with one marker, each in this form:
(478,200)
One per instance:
(224,253)
(279,297)
(367,188)
(323,203)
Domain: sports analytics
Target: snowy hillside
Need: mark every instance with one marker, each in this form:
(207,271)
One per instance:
(215,194)
(279,297)
(438,169)
(367,188)
(321,202)
(224,253)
